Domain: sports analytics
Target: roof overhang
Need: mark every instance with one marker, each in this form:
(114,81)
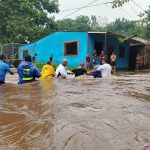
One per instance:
(137,41)
(107,34)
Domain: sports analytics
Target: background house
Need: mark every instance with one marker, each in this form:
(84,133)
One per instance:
(139,46)
(74,46)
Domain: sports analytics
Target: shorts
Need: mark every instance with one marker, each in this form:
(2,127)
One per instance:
(113,63)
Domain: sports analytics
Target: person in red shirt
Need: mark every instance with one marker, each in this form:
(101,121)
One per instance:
(88,59)
(138,62)
(102,56)
(95,57)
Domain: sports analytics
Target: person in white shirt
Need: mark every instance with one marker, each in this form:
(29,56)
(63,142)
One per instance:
(105,69)
(61,70)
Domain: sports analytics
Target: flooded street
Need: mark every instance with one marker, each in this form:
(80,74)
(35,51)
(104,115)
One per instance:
(76,114)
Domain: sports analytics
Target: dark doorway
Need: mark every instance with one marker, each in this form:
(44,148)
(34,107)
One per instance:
(134,50)
(98,46)
(110,50)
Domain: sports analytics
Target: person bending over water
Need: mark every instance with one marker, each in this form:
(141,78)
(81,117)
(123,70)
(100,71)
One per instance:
(61,70)
(80,70)
(102,71)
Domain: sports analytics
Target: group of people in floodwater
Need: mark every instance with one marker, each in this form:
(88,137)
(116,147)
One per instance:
(27,72)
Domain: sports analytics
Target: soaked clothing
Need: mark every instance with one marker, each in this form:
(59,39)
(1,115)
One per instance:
(27,72)
(61,71)
(47,72)
(4,68)
(2,82)
(79,71)
(97,74)
(105,70)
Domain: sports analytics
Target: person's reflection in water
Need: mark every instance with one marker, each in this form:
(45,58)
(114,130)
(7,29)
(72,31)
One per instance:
(47,84)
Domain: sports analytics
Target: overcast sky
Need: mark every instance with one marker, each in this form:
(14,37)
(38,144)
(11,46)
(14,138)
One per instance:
(128,11)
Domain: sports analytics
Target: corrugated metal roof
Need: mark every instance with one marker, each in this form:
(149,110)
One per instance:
(141,40)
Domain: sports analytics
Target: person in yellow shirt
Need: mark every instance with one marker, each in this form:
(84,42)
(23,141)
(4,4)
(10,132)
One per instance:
(47,71)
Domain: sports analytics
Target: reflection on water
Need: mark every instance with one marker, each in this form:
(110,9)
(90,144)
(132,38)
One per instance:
(76,114)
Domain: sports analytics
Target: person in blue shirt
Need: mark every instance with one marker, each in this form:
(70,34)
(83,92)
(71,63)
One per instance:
(4,68)
(27,72)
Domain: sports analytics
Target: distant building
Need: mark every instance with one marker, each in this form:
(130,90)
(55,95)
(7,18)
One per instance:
(139,46)
(75,46)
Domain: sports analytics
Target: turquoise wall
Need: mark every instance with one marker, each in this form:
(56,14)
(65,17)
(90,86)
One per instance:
(54,44)
(30,47)
(121,63)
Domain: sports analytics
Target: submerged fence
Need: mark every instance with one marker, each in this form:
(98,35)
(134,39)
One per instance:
(11,50)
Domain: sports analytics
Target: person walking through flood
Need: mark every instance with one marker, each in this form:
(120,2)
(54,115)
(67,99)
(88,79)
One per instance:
(80,70)
(113,62)
(61,70)
(4,68)
(27,72)
(48,71)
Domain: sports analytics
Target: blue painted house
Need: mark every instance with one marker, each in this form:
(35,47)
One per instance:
(74,46)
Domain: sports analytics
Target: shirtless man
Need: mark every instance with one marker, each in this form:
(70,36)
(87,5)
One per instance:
(113,62)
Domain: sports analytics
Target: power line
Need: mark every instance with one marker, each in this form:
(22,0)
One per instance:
(137,5)
(126,12)
(133,9)
(85,6)
(89,5)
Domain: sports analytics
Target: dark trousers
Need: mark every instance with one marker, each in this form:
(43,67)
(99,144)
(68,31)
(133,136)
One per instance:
(97,74)
(2,82)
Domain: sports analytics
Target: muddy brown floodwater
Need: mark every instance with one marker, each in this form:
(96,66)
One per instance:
(76,114)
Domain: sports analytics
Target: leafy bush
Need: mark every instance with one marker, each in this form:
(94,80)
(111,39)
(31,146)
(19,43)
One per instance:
(39,65)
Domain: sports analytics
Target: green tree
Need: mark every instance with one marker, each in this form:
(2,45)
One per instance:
(118,3)
(81,23)
(25,20)
(146,20)
(66,25)
(127,28)
(141,29)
